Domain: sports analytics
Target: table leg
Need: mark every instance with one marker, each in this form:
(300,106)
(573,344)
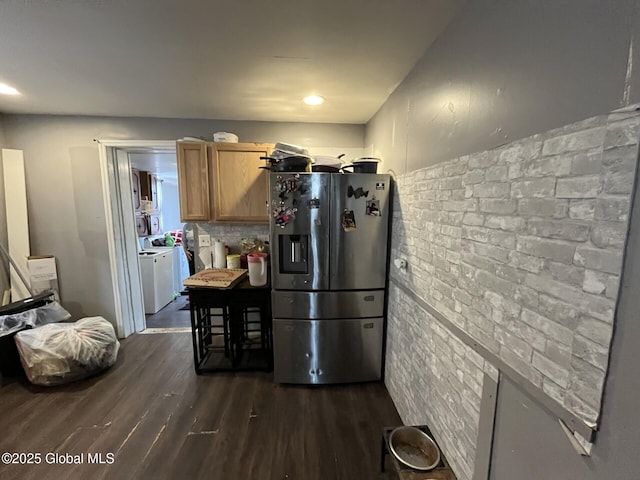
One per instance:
(383,453)
(194,335)
(226,332)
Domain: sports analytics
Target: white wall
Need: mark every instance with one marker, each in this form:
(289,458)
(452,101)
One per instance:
(170,206)
(64,185)
(4,263)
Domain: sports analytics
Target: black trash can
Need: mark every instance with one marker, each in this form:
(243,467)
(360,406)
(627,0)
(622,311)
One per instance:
(10,365)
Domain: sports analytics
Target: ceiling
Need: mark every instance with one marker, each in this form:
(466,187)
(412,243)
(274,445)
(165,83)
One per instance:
(164,165)
(222,59)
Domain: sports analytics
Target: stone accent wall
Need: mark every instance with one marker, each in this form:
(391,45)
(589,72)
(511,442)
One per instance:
(434,379)
(520,247)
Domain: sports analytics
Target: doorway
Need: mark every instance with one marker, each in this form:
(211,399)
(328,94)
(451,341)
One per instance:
(122,236)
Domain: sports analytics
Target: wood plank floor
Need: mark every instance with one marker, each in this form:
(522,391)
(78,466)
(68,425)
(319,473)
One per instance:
(171,315)
(162,421)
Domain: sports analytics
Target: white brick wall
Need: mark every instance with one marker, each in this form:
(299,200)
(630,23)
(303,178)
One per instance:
(434,379)
(521,247)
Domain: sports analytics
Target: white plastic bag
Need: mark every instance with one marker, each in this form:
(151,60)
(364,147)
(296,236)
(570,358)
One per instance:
(60,353)
(48,313)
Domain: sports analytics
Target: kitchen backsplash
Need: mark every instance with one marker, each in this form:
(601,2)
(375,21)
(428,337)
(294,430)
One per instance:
(231,234)
(521,248)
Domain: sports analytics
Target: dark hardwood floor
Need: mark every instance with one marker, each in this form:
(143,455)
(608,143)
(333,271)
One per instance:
(162,421)
(172,315)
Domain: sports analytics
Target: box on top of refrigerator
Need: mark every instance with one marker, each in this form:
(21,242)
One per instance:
(43,274)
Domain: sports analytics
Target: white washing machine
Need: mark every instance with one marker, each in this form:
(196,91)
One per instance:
(180,266)
(156,270)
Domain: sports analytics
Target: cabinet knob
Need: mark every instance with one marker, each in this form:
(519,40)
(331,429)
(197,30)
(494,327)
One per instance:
(319,372)
(312,372)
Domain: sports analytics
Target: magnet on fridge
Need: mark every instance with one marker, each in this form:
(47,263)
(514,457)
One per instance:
(357,193)
(291,184)
(314,203)
(373,207)
(348,221)
(284,215)
(286,185)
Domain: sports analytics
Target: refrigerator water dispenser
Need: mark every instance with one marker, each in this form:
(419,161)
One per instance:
(293,251)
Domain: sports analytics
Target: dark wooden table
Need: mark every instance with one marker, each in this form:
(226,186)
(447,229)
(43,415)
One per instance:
(442,471)
(231,328)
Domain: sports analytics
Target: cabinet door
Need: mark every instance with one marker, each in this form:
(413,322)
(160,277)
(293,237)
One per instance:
(135,188)
(193,181)
(145,187)
(142,225)
(155,227)
(240,187)
(154,186)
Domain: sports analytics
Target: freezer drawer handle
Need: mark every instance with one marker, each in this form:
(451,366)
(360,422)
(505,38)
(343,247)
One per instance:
(368,325)
(369,298)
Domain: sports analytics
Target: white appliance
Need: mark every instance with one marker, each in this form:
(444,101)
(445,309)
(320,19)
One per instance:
(156,270)
(180,266)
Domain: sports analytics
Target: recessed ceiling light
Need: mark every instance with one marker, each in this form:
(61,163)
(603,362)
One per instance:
(7,90)
(314,100)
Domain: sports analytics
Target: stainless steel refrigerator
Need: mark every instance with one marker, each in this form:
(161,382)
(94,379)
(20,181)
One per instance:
(329,268)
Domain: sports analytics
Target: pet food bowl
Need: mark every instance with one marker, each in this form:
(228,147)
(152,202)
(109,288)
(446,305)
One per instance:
(414,448)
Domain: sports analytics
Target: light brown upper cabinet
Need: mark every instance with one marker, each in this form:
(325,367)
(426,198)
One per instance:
(236,191)
(240,186)
(193,181)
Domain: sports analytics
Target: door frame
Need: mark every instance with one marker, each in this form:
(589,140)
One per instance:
(115,168)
